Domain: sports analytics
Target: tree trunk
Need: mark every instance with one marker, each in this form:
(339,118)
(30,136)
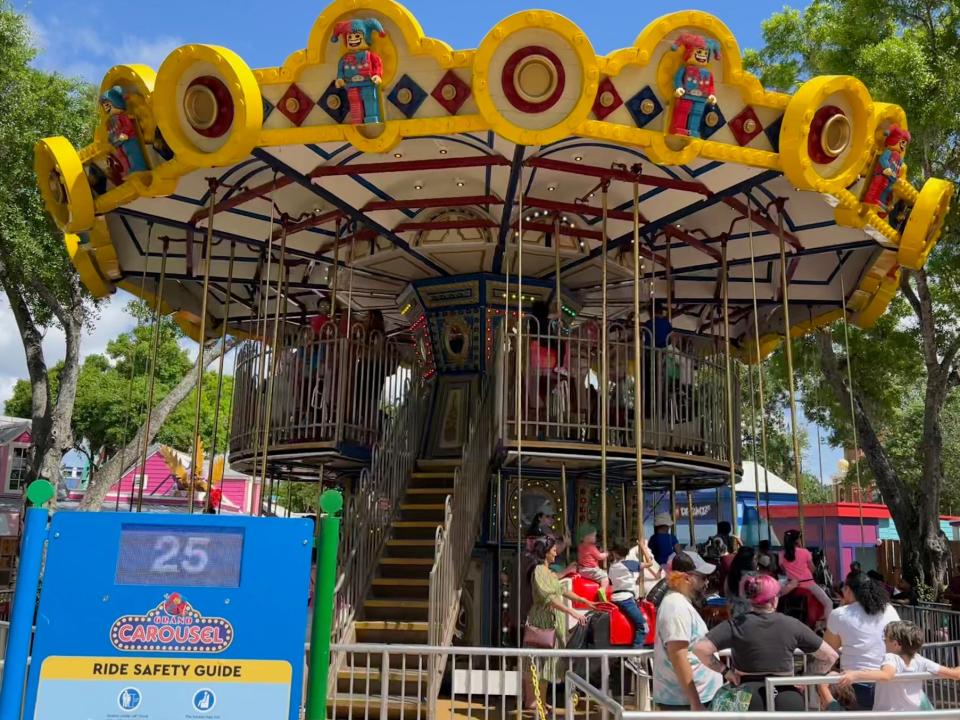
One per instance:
(916,519)
(112,470)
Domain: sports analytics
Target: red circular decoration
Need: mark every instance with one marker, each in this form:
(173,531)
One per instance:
(514,94)
(223,111)
(815,138)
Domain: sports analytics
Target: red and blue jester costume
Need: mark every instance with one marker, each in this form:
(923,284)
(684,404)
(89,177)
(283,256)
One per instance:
(360,70)
(887,169)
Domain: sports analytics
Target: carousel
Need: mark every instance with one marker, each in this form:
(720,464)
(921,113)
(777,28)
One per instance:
(471,286)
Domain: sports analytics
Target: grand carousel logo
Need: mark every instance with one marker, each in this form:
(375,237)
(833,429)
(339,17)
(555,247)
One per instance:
(172,626)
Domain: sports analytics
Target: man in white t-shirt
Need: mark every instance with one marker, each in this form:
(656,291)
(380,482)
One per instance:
(902,641)
(680,680)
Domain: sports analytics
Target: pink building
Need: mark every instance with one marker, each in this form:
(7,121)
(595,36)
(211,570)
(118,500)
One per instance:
(14,455)
(241,493)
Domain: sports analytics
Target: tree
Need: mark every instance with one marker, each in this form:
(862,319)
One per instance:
(35,273)
(111,393)
(906,52)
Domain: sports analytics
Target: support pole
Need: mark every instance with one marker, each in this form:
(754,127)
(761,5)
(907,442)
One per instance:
(331,503)
(151,383)
(853,417)
(728,364)
(788,343)
(690,519)
(760,398)
(637,360)
(604,384)
(196,460)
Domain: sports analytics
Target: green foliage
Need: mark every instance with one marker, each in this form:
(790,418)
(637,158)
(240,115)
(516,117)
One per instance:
(110,406)
(33,104)
(907,52)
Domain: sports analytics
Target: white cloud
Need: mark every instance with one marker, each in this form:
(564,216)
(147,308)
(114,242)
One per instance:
(113,320)
(89,53)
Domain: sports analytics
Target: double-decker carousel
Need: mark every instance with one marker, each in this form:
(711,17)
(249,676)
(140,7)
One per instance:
(474,285)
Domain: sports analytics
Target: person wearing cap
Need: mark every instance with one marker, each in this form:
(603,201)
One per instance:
(762,645)
(664,543)
(680,680)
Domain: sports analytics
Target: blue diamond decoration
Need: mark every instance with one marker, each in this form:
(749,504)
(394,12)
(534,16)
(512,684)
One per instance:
(334,103)
(267,107)
(407,96)
(773,133)
(644,106)
(709,125)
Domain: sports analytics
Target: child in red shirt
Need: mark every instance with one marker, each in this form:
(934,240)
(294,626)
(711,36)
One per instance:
(588,561)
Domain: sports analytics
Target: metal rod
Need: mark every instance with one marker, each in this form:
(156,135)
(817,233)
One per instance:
(673,498)
(728,365)
(760,398)
(753,446)
(556,277)
(151,382)
(604,384)
(216,407)
(336,274)
(133,363)
(195,460)
(518,407)
(690,519)
(274,356)
(788,342)
(566,509)
(637,360)
(263,311)
(853,417)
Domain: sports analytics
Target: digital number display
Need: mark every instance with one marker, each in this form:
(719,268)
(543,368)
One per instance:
(179,555)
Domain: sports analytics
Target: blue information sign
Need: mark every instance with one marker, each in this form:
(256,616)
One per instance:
(156,617)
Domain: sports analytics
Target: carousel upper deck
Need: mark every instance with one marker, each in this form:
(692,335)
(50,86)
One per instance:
(378,173)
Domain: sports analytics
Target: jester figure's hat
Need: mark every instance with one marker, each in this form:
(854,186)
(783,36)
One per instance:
(367,26)
(691,43)
(895,134)
(114,96)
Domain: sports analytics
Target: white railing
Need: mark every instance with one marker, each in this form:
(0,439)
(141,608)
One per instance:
(578,688)
(327,387)
(381,681)
(463,514)
(371,509)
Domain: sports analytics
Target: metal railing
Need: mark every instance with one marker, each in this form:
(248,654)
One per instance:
(939,623)
(381,681)
(577,687)
(327,388)
(373,507)
(463,514)
(684,396)
(940,691)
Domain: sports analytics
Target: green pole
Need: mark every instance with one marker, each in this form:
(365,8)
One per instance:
(328,541)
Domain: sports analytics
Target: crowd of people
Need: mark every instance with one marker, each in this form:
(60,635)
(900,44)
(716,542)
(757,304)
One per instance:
(776,613)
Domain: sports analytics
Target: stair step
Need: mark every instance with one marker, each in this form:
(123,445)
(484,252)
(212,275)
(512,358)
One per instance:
(405,567)
(356,706)
(416,529)
(389,588)
(405,561)
(396,609)
(410,547)
(430,491)
(409,682)
(391,631)
(423,511)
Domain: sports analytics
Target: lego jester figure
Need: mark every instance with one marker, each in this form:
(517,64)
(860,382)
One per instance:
(887,169)
(122,134)
(360,70)
(693,83)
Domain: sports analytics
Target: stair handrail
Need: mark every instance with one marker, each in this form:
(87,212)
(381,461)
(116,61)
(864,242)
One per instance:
(374,504)
(463,513)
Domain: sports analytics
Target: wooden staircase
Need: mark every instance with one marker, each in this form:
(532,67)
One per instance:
(396,607)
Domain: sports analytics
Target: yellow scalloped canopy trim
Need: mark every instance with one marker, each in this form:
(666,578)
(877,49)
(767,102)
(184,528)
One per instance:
(158,106)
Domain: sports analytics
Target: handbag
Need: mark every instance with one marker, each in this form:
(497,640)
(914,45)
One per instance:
(731,699)
(542,638)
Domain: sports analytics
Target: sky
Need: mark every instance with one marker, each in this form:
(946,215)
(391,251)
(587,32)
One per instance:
(85,38)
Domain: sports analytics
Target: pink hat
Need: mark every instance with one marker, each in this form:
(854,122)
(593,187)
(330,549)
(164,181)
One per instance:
(762,590)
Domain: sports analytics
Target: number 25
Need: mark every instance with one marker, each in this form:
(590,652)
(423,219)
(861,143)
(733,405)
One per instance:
(193,558)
